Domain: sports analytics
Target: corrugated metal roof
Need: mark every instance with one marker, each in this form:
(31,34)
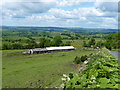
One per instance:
(60,48)
(39,49)
(53,48)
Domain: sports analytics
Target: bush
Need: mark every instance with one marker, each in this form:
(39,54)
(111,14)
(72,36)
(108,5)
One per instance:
(71,75)
(78,60)
(83,58)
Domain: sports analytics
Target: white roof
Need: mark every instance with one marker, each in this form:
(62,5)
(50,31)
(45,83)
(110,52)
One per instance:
(59,48)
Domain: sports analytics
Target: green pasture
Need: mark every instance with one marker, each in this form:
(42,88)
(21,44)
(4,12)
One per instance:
(38,70)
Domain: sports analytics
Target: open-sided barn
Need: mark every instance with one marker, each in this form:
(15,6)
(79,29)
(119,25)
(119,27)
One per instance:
(50,49)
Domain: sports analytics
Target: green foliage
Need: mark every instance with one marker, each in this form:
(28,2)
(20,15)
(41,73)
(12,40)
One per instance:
(99,44)
(31,43)
(57,40)
(83,58)
(102,71)
(79,60)
(71,75)
(92,42)
(113,41)
(67,43)
(84,44)
(44,42)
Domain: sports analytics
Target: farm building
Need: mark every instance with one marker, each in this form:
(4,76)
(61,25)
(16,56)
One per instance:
(50,49)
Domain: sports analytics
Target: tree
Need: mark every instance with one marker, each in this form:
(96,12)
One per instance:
(92,42)
(57,40)
(108,45)
(44,42)
(67,43)
(99,44)
(113,41)
(52,43)
(17,46)
(47,43)
(84,44)
(7,46)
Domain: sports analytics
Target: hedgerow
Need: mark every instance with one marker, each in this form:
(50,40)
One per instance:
(102,71)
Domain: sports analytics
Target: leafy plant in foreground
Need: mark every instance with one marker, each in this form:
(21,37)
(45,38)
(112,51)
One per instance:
(101,72)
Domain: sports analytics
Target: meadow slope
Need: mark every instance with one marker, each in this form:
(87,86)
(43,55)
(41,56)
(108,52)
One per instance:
(38,70)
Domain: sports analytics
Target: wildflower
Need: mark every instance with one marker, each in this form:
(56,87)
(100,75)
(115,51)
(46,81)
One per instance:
(85,62)
(98,85)
(63,79)
(94,81)
(93,77)
(62,85)
(64,75)
(68,79)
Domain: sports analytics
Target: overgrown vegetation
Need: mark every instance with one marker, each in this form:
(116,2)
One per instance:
(102,71)
(113,41)
(79,60)
(93,44)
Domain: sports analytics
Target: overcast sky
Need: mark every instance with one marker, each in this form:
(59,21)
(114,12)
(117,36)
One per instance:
(59,13)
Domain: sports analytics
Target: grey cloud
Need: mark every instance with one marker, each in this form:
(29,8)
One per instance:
(22,9)
(119,6)
(107,6)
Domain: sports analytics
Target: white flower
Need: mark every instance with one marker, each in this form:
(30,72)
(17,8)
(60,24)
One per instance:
(64,75)
(97,85)
(90,82)
(94,81)
(93,77)
(62,85)
(68,78)
(63,79)
(85,62)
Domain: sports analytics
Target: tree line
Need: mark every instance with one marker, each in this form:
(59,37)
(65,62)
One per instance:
(93,44)
(113,41)
(43,42)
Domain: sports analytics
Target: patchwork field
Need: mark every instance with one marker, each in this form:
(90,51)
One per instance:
(38,70)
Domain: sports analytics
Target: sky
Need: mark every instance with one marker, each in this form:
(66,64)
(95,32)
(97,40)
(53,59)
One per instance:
(60,13)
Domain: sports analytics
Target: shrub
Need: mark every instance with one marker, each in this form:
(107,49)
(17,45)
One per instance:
(71,75)
(78,60)
(83,58)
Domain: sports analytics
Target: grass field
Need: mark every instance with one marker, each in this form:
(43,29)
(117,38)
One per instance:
(38,70)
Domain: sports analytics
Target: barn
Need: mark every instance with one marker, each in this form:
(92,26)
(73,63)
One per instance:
(50,49)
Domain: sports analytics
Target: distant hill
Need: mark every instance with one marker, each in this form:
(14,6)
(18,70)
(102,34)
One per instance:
(62,29)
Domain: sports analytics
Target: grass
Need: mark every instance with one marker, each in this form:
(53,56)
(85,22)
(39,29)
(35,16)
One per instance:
(38,70)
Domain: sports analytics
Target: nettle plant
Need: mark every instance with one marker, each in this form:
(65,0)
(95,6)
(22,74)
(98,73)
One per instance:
(101,72)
